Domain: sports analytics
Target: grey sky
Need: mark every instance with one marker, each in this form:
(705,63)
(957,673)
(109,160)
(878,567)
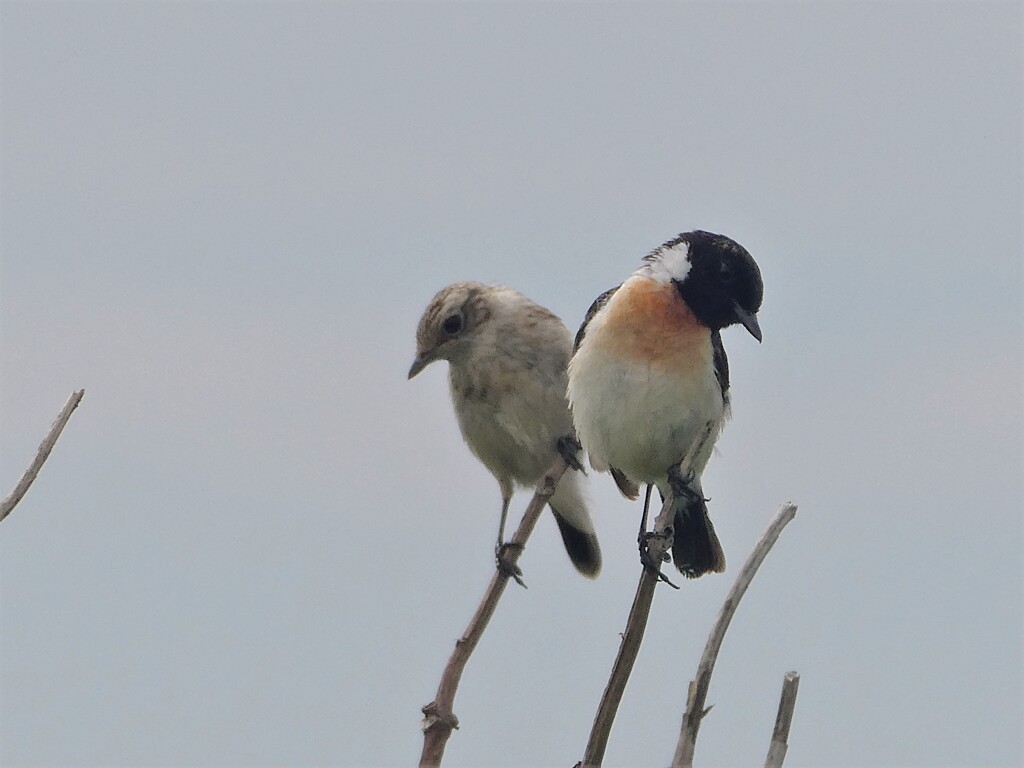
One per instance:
(256,542)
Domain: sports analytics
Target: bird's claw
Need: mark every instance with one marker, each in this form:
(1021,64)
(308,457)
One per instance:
(569,447)
(647,559)
(684,486)
(505,566)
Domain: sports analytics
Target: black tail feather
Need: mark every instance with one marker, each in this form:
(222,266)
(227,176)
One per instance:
(582,547)
(695,546)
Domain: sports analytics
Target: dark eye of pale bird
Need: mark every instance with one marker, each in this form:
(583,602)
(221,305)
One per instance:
(452,324)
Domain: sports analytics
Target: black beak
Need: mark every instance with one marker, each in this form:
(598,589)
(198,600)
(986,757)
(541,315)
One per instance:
(749,320)
(421,362)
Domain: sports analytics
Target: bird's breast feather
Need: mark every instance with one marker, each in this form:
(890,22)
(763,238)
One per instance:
(648,321)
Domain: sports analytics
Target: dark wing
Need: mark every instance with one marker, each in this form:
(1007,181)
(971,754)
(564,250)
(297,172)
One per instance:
(627,487)
(721,362)
(599,302)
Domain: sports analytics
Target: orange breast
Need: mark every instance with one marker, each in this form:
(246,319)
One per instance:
(649,322)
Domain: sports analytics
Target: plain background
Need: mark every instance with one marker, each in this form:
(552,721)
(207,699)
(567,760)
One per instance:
(256,542)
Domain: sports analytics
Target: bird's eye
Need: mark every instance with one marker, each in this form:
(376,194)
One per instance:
(726,274)
(452,325)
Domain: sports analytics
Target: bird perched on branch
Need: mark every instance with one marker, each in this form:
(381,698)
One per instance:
(507,361)
(649,378)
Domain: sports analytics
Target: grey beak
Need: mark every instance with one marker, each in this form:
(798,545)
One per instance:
(418,365)
(749,320)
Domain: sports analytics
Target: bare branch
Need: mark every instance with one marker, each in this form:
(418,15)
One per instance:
(439,719)
(658,546)
(698,689)
(44,451)
(629,648)
(784,718)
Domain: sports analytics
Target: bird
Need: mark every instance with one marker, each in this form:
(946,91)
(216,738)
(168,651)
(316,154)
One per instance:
(649,378)
(507,359)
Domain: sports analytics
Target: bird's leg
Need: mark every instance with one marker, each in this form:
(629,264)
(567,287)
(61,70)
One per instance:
(502,548)
(642,539)
(570,449)
(643,520)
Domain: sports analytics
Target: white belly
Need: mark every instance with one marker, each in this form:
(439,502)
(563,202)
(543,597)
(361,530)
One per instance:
(641,419)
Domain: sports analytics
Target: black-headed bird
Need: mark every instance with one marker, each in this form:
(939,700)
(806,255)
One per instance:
(649,376)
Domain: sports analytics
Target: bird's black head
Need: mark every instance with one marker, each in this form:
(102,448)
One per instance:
(723,284)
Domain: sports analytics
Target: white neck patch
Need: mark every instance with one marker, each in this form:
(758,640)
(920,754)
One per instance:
(667,263)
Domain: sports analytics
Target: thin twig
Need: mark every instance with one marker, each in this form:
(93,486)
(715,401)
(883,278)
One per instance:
(629,648)
(439,719)
(784,718)
(44,450)
(698,689)
(658,545)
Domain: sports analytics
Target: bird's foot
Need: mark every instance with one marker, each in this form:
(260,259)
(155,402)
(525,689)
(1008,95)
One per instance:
(505,566)
(569,447)
(647,559)
(684,486)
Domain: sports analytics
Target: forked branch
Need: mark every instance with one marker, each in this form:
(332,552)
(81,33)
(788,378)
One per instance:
(44,451)
(439,720)
(698,689)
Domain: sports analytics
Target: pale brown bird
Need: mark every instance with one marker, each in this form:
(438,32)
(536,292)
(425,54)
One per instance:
(507,361)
